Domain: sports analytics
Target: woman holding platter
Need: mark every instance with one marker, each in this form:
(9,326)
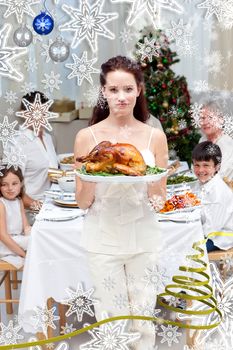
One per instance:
(121,232)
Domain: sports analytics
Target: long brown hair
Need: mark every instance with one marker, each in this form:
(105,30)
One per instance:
(122,63)
(18,173)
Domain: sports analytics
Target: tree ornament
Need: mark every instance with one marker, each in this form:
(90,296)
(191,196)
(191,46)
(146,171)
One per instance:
(165,104)
(143,64)
(59,50)
(43,23)
(22,36)
(160,65)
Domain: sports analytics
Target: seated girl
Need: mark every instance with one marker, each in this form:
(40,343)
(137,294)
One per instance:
(217,211)
(14,227)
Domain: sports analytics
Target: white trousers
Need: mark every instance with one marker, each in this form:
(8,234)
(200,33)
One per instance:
(125,285)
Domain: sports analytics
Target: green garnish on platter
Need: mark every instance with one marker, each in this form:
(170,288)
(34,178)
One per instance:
(180,179)
(149,171)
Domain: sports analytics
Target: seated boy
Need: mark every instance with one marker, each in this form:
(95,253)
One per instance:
(217,211)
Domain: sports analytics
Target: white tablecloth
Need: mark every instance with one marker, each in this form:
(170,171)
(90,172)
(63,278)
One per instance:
(56,261)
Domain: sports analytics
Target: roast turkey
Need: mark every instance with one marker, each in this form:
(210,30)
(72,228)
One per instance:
(114,158)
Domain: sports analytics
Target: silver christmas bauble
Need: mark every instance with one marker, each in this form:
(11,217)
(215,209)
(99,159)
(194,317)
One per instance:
(59,51)
(22,36)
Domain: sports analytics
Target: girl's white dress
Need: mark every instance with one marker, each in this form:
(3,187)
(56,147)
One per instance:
(15,229)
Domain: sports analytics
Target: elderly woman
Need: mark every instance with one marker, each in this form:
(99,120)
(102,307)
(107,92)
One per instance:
(211,122)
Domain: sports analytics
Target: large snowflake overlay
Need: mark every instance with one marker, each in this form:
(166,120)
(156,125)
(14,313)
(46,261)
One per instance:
(88,22)
(45,318)
(148,49)
(52,81)
(9,334)
(82,68)
(14,157)
(110,336)
(7,54)
(37,114)
(213,61)
(223,9)
(8,132)
(19,8)
(80,302)
(169,335)
(152,7)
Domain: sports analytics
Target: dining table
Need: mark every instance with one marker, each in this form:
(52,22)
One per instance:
(56,263)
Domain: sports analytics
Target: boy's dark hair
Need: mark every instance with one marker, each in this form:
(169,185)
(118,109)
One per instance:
(30,97)
(18,173)
(206,151)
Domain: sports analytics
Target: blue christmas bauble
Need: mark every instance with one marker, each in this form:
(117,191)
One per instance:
(43,23)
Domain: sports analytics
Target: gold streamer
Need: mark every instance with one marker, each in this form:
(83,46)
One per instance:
(182,282)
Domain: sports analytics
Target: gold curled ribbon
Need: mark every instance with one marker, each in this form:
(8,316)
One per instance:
(181,282)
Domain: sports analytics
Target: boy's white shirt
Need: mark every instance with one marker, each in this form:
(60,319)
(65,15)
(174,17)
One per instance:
(217,211)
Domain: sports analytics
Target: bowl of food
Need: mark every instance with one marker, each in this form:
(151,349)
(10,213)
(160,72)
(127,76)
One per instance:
(67,183)
(182,181)
(66,161)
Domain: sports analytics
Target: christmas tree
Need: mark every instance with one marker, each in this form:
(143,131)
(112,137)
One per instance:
(167,94)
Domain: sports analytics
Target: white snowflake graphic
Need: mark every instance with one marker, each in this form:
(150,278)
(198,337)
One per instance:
(9,334)
(1,168)
(95,97)
(151,7)
(126,35)
(19,8)
(182,124)
(200,86)
(196,113)
(10,111)
(109,283)
(228,124)
(82,68)
(88,22)
(67,329)
(44,318)
(110,336)
(179,31)
(80,302)
(125,131)
(14,157)
(155,277)
(156,202)
(148,49)
(213,61)
(120,301)
(11,97)
(27,87)
(36,114)
(7,68)
(52,81)
(31,65)
(186,47)
(8,132)
(46,50)
(169,335)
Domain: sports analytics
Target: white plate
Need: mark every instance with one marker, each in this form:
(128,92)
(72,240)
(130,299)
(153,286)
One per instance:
(66,203)
(182,210)
(121,178)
